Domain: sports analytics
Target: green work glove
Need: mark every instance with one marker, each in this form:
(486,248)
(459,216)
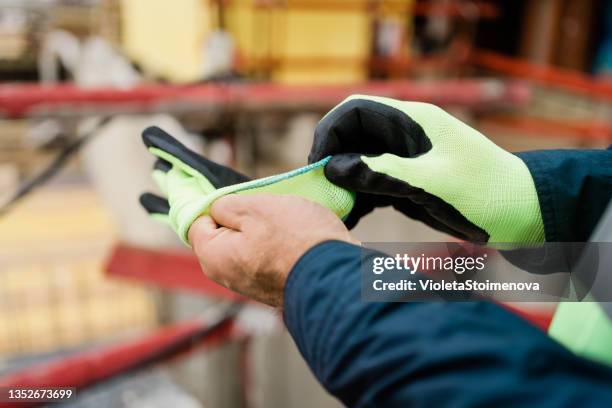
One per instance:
(192,183)
(430,166)
(210,174)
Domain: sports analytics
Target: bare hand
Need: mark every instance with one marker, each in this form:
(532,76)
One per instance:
(250,242)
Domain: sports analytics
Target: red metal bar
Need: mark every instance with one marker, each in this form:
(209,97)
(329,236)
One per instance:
(480,9)
(20,100)
(539,318)
(446,92)
(586,130)
(176,270)
(470,9)
(563,78)
(90,367)
(181,271)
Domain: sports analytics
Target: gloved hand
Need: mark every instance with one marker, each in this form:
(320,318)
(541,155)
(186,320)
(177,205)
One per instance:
(430,166)
(192,183)
(172,153)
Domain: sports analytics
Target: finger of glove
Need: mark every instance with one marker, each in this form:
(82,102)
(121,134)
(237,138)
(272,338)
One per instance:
(359,210)
(430,181)
(187,160)
(402,176)
(379,189)
(160,170)
(350,171)
(364,204)
(421,213)
(374,125)
(187,200)
(157,207)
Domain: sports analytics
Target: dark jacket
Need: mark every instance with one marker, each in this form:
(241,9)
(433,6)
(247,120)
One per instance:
(450,354)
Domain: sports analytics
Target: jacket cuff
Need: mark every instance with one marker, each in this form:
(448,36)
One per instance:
(574,188)
(538,163)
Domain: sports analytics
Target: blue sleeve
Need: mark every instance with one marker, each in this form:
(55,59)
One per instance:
(426,354)
(574,188)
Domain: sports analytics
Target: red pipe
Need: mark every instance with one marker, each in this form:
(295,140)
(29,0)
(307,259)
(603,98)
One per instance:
(20,100)
(175,270)
(87,368)
(180,270)
(570,80)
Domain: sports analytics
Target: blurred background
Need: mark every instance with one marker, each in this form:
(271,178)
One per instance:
(95,295)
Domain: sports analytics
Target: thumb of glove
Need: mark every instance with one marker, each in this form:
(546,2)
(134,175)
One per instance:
(351,172)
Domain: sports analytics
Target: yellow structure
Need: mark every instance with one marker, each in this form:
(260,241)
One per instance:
(166,37)
(309,42)
(288,41)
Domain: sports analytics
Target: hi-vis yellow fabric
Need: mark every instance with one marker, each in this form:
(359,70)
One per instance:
(492,188)
(190,194)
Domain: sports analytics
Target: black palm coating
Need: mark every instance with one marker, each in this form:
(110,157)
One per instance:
(367,127)
(154,204)
(380,190)
(163,165)
(218,175)
(364,127)
(364,206)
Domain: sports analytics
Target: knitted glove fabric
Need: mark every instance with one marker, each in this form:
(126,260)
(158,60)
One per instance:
(192,183)
(429,165)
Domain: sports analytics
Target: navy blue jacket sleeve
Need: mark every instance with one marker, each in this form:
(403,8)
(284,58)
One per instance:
(426,354)
(574,188)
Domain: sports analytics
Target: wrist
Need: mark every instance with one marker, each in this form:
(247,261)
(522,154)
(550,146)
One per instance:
(524,222)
